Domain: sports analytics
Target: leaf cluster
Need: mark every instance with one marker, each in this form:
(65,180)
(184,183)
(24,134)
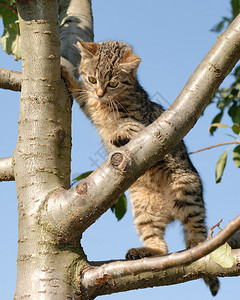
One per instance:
(227,100)
(221,163)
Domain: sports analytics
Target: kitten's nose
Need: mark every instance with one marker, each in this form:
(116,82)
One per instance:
(100,93)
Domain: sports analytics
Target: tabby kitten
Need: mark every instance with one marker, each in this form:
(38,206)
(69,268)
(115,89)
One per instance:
(114,101)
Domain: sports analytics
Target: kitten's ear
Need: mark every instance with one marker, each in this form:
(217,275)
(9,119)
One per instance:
(130,60)
(88,49)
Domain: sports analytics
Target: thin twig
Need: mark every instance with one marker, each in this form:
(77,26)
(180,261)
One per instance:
(9,7)
(217,145)
(214,226)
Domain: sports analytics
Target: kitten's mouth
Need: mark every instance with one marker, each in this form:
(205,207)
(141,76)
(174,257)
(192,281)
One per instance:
(103,98)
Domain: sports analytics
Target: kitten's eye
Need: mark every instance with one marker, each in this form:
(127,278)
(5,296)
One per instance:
(113,84)
(92,80)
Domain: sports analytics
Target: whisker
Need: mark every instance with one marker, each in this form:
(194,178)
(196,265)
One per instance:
(116,109)
(113,111)
(120,105)
(81,98)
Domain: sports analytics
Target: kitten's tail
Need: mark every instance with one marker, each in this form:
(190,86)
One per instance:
(213,284)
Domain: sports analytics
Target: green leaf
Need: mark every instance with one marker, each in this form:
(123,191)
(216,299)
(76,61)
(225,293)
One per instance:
(223,256)
(217,119)
(215,125)
(225,98)
(237,71)
(236,156)
(234,113)
(80,177)
(234,92)
(235,7)
(220,166)
(236,128)
(120,207)
(11,35)
(220,26)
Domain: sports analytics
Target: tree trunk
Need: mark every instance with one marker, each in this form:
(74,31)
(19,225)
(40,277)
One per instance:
(42,155)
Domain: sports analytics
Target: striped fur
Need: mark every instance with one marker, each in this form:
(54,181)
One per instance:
(114,101)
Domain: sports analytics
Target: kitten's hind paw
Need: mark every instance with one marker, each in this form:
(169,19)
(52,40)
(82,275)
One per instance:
(138,253)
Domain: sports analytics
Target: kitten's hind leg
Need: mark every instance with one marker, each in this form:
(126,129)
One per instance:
(191,212)
(150,223)
(192,215)
(188,207)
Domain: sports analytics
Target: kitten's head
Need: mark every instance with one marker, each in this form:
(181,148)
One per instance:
(108,69)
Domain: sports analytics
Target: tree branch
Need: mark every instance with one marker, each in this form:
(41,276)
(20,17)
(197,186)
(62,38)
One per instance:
(10,80)
(6,169)
(217,145)
(76,24)
(69,213)
(99,277)
(104,283)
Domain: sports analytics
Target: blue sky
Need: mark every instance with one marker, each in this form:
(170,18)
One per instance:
(171,37)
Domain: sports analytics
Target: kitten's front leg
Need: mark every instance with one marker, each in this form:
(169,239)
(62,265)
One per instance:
(71,81)
(120,138)
(125,133)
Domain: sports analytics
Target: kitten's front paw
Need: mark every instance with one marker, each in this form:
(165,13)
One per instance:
(138,253)
(120,139)
(66,75)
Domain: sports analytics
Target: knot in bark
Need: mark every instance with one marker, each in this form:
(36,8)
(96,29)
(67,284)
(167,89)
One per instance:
(119,161)
(60,134)
(82,188)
